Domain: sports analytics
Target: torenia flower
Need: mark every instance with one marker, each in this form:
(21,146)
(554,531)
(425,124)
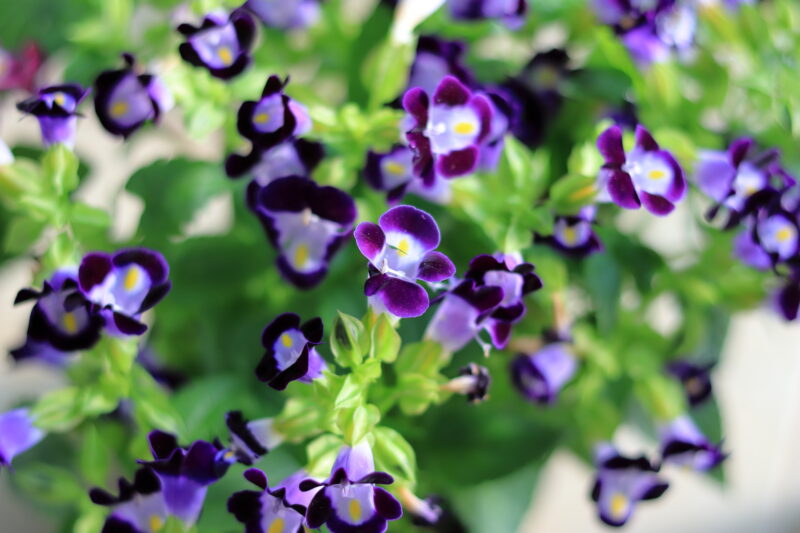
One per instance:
(350,501)
(250,440)
(290,353)
(139,507)
(56,109)
(787,298)
(695,378)
(124,285)
(285,14)
(646,175)
(573,235)
(462,315)
(269,510)
(683,444)
(400,251)
(511,12)
(435,59)
(19,71)
(541,376)
(125,100)
(621,483)
(17,434)
(393,172)
(274,118)
(307,224)
(221,44)
(778,233)
(749,251)
(473,381)
(447,131)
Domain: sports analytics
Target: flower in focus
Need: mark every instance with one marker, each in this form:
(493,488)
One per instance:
(307,224)
(139,507)
(285,14)
(621,483)
(125,100)
(393,172)
(447,131)
(511,12)
(19,71)
(646,175)
(473,381)
(56,109)
(573,235)
(683,444)
(436,58)
(696,379)
(274,118)
(17,434)
(541,376)
(462,315)
(270,510)
(349,500)
(399,249)
(124,285)
(221,44)
(290,353)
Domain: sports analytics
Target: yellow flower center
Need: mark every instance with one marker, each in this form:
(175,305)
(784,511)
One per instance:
(225,55)
(286,340)
(355,510)
(155,523)
(784,234)
(119,109)
(619,505)
(394,168)
(301,255)
(657,174)
(59,99)
(464,128)
(570,235)
(261,118)
(403,246)
(276,526)
(70,322)
(131,278)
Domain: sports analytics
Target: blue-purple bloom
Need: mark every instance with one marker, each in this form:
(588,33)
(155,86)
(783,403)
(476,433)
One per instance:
(683,444)
(138,508)
(274,118)
(462,315)
(125,100)
(435,59)
(273,510)
(621,483)
(306,223)
(541,376)
(510,12)
(221,44)
(289,351)
(393,173)
(123,285)
(56,108)
(400,249)
(285,14)
(695,378)
(350,501)
(17,434)
(645,175)
(250,440)
(573,235)
(473,381)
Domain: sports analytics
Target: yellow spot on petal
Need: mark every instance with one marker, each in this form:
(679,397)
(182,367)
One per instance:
(155,523)
(132,278)
(464,128)
(784,234)
(225,55)
(619,505)
(276,526)
(261,118)
(394,168)
(570,235)
(119,109)
(70,322)
(301,255)
(59,99)
(286,340)
(656,174)
(403,246)
(355,510)
(229,455)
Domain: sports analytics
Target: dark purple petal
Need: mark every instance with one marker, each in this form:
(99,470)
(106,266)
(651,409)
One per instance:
(738,149)
(788,300)
(644,140)
(377,478)
(610,145)
(127,325)
(293,372)
(415,102)
(245,506)
(402,298)
(451,92)
(677,189)
(93,270)
(387,505)
(457,163)
(370,239)
(318,510)
(622,191)
(411,221)
(483,107)
(162,444)
(658,205)
(436,267)
(312,330)
(332,204)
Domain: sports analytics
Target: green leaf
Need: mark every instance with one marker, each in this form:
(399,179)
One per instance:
(385,344)
(662,396)
(322,453)
(60,167)
(604,282)
(569,194)
(394,454)
(349,341)
(386,72)
(95,456)
(21,234)
(51,484)
(59,411)
(357,422)
(152,407)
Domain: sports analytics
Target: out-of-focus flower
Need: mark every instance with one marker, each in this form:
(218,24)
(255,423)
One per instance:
(621,483)
(646,175)
(125,100)
(19,71)
(124,285)
(400,251)
(778,233)
(274,118)
(56,109)
(393,172)
(541,376)
(221,44)
(285,14)
(290,353)
(435,59)
(747,250)
(510,12)
(447,131)
(139,507)
(267,510)
(306,223)
(573,235)
(250,440)
(17,434)
(423,512)
(473,381)
(695,378)
(787,298)
(683,444)
(462,315)
(349,500)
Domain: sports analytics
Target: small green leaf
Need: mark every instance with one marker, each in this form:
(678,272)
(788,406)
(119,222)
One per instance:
(394,454)
(50,483)
(21,234)
(569,194)
(60,167)
(322,453)
(386,72)
(95,457)
(386,341)
(349,341)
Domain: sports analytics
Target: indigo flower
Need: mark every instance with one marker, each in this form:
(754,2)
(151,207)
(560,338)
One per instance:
(274,118)
(285,14)
(306,223)
(56,109)
(473,381)
(573,235)
(139,507)
(510,12)
(393,173)
(290,353)
(447,131)
(787,298)
(436,58)
(124,285)
(125,100)
(221,44)
(778,234)
(17,434)
(250,440)
(349,500)
(683,444)
(646,175)
(399,249)
(750,252)
(541,376)
(621,483)
(268,510)
(695,378)
(19,71)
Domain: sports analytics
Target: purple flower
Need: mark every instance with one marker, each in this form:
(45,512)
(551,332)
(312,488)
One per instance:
(250,440)
(778,234)
(446,133)
(695,378)
(349,500)
(125,100)
(750,252)
(511,12)
(573,235)
(17,434)
(306,223)
(139,507)
(285,14)
(646,175)
(462,315)
(19,71)
(541,376)
(473,381)
(124,285)
(56,109)
(274,118)
(62,319)
(621,483)
(787,298)
(290,353)
(270,510)
(683,444)
(435,59)
(503,113)
(393,172)
(400,251)
(423,512)
(221,44)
